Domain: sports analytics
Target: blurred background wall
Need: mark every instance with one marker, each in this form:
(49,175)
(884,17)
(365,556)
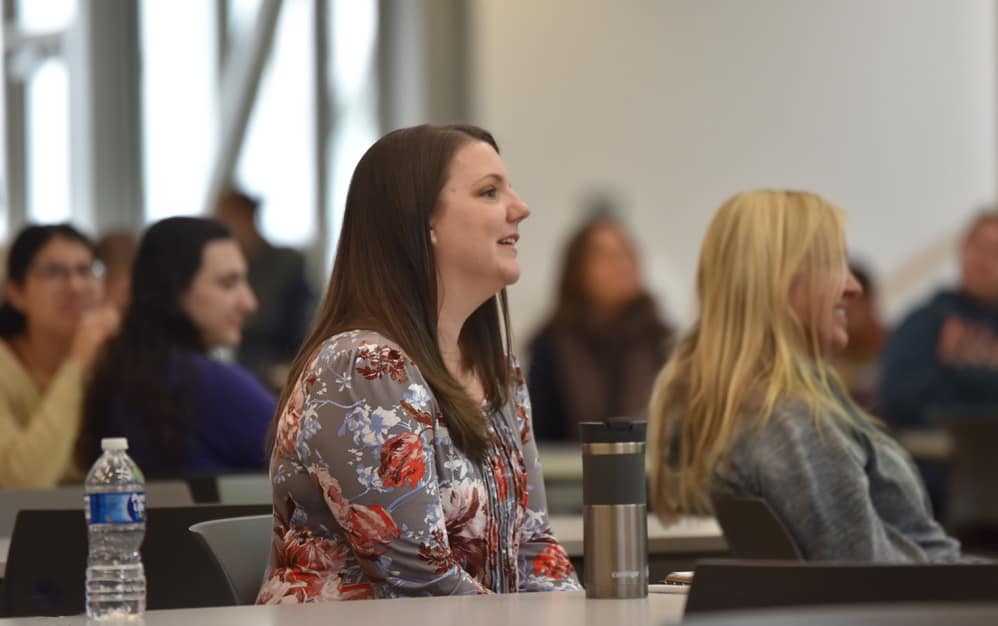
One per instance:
(885,107)
(118,112)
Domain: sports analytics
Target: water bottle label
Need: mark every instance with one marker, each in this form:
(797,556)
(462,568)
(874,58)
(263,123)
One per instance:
(118,508)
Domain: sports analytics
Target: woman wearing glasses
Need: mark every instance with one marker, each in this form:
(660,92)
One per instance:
(51,328)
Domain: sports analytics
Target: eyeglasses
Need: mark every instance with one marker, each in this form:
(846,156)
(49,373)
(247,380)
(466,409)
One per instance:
(55,272)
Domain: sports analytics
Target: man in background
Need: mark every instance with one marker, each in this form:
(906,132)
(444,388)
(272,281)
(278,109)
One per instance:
(273,334)
(940,369)
(944,355)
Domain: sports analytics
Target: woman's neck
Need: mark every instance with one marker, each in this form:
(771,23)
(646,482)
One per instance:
(450,321)
(448,333)
(41,356)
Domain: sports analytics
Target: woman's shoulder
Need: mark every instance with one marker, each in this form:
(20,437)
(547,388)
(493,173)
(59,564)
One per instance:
(220,374)
(8,359)
(369,353)
(359,340)
(795,425)
(361,344)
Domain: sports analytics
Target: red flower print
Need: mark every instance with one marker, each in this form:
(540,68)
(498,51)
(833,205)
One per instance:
(288,584)
(437,554)
(307,567)
(521,416)
(331,491)
(381,360)
(517,373)
(498,466)
(553,563)
(470,552)
(520,480)
(302,549)
(421,416)
(465,521)
(356,591)
(290,425)
(464,511)
(402,461)
(370,529)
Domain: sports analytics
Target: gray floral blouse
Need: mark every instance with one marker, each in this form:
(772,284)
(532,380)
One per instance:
(372,499)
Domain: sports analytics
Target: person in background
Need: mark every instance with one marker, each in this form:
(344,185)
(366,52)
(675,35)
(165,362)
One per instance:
(404,463)
(942,359)
(52,326)
(748,405)
(597,355)
(858,365)
(272,335)
(944,354)
(183,412)
(116,252)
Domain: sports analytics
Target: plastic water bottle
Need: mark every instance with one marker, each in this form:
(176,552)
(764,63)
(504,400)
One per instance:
(116,522)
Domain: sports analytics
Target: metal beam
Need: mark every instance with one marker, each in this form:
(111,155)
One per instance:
(222,33)
(422,62)
(240,83)
(102,54)
(319,250)
(15,130)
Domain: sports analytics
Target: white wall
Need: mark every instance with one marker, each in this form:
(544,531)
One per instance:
(885,107)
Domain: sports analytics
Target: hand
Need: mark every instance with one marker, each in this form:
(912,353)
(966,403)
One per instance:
(97,326)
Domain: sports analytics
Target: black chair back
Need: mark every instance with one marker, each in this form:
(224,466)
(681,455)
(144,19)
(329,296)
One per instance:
(46,564)
(970,503)
(752,529)
(720,585)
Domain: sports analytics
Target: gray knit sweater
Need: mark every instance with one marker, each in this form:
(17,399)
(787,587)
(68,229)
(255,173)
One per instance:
(844,492)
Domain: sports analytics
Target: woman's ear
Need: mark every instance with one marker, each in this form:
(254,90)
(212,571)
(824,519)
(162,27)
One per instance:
(433,235)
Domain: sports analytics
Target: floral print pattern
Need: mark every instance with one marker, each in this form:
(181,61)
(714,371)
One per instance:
(373,499)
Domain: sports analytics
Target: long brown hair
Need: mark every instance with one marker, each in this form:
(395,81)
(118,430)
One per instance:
(385,276)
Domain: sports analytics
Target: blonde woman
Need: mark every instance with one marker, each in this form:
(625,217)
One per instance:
(747,405)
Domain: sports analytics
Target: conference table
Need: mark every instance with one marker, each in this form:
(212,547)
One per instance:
(517,609)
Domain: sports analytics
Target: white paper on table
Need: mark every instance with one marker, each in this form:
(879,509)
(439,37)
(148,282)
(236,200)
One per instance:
(664,588)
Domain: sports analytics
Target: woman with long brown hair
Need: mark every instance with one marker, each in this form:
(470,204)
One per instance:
(598,354)
(404,462)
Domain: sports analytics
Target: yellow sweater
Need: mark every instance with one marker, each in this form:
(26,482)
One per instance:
(37,431)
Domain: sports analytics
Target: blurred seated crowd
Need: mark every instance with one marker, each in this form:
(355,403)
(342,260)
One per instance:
(181,338)
(147,320)
(136,338)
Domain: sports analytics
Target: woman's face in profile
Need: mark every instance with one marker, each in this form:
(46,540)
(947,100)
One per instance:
(819,298)
(475,227)
(220,298)
(61,284)
(610,275)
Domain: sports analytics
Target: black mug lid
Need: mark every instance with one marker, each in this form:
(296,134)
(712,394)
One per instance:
(613,430)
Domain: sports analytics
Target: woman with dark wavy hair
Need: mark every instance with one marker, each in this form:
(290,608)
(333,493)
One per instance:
(183,412)
(404,462)
(51,329)
(597,355)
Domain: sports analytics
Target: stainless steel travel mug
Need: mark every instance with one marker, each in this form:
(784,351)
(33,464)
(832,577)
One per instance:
(615,510)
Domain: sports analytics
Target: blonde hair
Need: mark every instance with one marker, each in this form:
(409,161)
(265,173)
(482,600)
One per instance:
(748,349)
